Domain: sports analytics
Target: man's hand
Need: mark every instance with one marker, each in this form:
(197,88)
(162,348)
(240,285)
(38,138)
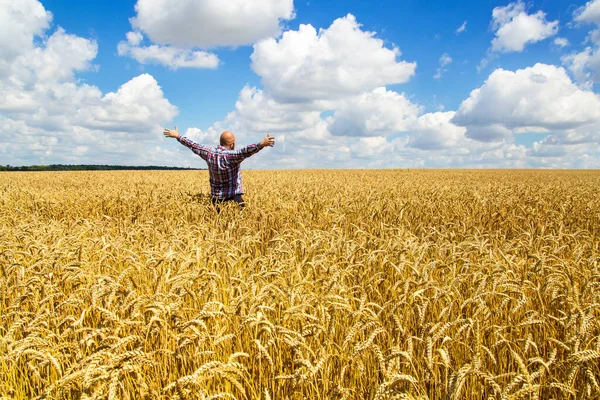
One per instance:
(171,133)
(268,141)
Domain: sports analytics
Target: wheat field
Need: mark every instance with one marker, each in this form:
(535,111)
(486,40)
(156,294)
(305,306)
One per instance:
(384,284)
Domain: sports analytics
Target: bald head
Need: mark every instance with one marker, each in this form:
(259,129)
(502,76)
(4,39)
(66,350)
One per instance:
(227,139)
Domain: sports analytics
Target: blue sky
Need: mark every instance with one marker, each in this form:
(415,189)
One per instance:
(94,82)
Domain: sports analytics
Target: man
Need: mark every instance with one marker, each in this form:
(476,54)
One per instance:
(223,163)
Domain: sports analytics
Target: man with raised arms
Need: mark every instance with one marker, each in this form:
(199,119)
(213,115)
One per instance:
(223,163)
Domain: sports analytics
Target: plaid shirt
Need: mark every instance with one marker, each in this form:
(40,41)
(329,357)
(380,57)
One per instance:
(223,166)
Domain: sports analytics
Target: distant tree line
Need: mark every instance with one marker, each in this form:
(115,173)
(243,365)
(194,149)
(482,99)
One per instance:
(60,167)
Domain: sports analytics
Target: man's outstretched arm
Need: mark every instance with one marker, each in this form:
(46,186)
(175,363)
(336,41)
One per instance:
(199,149)
(240,155)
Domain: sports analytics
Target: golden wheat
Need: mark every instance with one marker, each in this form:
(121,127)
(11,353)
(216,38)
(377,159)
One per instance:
(329,285)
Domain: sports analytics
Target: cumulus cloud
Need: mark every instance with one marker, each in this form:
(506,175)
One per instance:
(135,108)
(589,13)
(515,28)
(548,147)
(381,128)
(60,119)
(324,97)
(330,108)
(305,139)
(430,140)
(168,56)
(584,65)
(134,38)
(594,37)
(377,113)
(542,96)
(561,42)
(178,29)
(332,126)
(554,152)
(462,28)
(258,112)
(355,130)
(462,153)
(210,135)
(342,60)
(60,57)
(445,60)
(434,131)
(370,147)
(20,22)
(303,135)
(540,99)
(210,23)
(489,133)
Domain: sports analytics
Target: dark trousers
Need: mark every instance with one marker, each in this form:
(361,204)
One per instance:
(237,199)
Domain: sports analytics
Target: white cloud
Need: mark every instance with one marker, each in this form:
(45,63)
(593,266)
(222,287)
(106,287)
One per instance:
(561,42)
(594,37)
(80,150)
(445,60)
(61,56)
(589,13)
(20,21)
(359,131)
(257,112)
(211,23)
(542,96)
(489,133)
(537,99)
(361,115)
(370,147)
(136,107)
(323,121)
(209,136)
(341,60)
(462,28)
(39,81)
(459,152)
(554,152)
(585,66)
(514,28)
(58,118)
(377,113)
(548,147)
(303,139)
(307,137)
(168,56)
(429,141)
(434,131)
(178,28)
(134,38)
